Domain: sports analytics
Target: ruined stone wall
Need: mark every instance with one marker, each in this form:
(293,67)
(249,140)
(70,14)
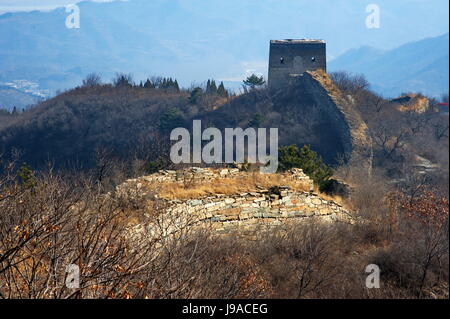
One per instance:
(249,212)
(243,214)
(412,103)
(198,175)
(352,125)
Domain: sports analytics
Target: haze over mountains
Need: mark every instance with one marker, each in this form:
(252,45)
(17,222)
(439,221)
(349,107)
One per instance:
(227,40)
(11,97)
(420,66)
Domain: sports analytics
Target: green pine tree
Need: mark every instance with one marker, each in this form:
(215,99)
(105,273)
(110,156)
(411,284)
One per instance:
(213,88)
(148,84)
(254,81)
(196,94)
(257,120)
(164,84)
(222,91)
(306,159)
(176,86)
(171,119)
(26,176)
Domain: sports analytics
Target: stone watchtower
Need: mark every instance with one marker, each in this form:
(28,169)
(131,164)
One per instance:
(290,58)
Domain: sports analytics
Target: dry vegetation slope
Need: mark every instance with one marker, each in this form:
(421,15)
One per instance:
(410,250)
(50,223)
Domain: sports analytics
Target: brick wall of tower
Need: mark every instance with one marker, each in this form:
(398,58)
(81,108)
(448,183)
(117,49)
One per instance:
(289,59)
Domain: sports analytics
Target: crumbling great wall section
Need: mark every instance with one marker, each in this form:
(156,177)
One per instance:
(249,212)
(243,214)
(319,84)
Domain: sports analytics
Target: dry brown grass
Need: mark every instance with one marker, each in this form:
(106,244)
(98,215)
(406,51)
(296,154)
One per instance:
(220,102)
(229,186)
(333,198)
(322,77)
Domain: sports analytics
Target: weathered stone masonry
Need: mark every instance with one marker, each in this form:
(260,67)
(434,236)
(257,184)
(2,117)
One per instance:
(243,213)
(290,58)
(248,211)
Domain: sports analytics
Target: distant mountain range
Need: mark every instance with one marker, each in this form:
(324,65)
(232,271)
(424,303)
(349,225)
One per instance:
(420,66)
(196,40)
(11,97)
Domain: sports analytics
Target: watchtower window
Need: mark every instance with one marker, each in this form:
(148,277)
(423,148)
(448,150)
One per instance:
(313,59)
(281,60)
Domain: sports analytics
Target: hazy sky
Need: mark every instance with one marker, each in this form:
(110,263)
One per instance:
(425,18)
(164,31)
(28,5)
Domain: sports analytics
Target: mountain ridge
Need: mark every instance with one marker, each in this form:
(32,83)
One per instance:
(420,66)
(183,40)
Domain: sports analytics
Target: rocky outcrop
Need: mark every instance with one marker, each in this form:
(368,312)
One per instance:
(412,103)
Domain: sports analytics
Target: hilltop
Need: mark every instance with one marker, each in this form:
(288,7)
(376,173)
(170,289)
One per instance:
(336,115)
(133,121)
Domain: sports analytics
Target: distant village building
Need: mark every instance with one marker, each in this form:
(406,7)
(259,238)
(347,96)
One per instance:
(290,58)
